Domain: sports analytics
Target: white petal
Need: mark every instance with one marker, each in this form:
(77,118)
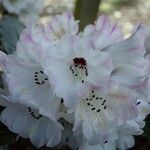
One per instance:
(45,132)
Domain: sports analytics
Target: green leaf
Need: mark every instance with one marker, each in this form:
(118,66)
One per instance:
(10,29)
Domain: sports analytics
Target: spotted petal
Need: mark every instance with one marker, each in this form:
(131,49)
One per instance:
(31,85)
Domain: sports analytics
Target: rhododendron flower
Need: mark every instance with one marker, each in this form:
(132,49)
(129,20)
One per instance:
(28,123)
(28,60)
(28,85)
(125,132)
(129,64)
(89,90)
(73,65)
(100,114)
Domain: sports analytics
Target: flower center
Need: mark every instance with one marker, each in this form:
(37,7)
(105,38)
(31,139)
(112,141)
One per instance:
(40,78)
(95,103)
(79,68)
(34,114)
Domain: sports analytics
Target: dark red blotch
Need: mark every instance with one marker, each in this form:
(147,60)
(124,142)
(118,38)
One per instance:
(80,61)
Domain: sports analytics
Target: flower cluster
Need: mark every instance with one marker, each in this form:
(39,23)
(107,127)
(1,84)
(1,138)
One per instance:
(25,9)
(89,90)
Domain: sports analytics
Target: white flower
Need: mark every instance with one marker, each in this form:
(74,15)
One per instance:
(73,68)
(130,67)
(126,132)
(100,114)
(25,9)
(28,85)
(28,123)
(32,85)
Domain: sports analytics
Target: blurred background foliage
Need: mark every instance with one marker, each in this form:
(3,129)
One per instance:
(125,12)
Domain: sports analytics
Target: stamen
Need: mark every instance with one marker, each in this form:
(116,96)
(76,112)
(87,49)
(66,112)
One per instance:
(40,78)
(95,103)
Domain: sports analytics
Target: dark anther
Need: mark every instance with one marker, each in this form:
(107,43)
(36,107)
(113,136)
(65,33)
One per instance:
(104,101)
(42,72)
(98,110)
(93,108)
(62,100)
(88,104)
(38,83)
(138,103)
(104,107)
(86,72)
